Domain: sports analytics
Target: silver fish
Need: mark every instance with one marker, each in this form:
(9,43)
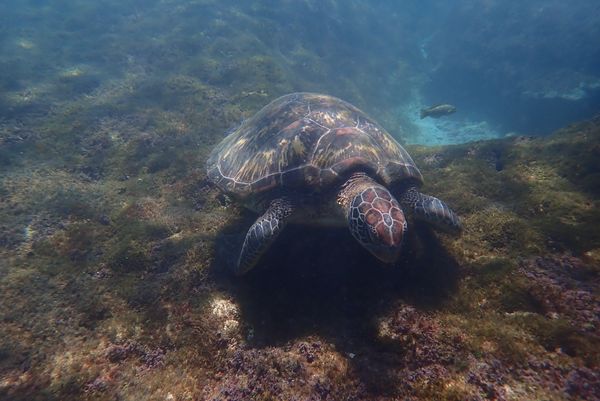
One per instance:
(438,110)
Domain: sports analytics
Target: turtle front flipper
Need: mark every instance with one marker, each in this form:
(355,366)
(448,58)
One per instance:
(262,234)
(432,210)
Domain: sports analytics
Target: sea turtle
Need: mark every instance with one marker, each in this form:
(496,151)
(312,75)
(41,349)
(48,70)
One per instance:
(316,159)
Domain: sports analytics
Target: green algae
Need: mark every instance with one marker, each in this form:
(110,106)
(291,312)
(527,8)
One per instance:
(150,262)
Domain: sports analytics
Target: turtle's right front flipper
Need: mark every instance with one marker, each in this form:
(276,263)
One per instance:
(262,234)
(432,210)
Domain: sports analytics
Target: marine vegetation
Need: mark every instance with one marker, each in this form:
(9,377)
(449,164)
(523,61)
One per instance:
(114,281)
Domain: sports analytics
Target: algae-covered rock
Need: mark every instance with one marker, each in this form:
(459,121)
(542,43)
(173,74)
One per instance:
(133,272)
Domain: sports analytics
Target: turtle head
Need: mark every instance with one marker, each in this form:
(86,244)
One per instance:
(377,221)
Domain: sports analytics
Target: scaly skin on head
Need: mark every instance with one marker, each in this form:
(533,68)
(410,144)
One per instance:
(375,217)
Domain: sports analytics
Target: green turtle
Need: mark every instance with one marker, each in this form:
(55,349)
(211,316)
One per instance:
(315,159)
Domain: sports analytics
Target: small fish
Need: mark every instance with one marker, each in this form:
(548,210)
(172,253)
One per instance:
(438,110)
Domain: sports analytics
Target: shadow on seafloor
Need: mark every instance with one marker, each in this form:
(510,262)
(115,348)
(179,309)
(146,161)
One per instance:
(320,281)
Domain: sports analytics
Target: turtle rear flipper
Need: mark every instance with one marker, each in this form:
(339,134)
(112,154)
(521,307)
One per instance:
(262,234)
(432,210)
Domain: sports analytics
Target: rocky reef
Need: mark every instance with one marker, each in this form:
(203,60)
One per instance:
(114,280)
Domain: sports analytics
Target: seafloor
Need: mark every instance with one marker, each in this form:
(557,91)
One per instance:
(114,285)
(114,249)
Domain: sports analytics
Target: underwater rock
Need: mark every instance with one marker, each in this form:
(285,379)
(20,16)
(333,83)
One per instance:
(150,358)
(583,383)
(419,335)
(310,351)
(98,385)
(565,288)
(284,373)
(111,295)
(226,316)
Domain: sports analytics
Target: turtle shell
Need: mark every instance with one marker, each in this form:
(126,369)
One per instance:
(306,140)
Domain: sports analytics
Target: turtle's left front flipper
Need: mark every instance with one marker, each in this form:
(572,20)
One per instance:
(262,233)
(432,210)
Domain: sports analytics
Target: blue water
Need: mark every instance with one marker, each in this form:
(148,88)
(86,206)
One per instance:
(509,67)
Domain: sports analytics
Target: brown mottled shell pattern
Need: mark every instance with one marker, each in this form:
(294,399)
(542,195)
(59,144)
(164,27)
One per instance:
(306,140)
